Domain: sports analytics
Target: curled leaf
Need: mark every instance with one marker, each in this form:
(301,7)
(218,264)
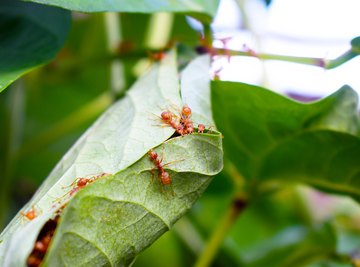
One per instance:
(115,216)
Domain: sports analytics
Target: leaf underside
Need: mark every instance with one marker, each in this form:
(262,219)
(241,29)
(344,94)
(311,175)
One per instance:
(128,204)
(114,219)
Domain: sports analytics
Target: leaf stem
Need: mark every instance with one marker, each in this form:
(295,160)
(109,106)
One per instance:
(113,31)
(137,54)
(208,38)
(313,61)
(190,236)
(237,205)
(159,30)
(234,174)
(14,123)
(66,125)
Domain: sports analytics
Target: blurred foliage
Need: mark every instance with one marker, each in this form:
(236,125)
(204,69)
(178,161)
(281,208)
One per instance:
(30,35)
(282,225)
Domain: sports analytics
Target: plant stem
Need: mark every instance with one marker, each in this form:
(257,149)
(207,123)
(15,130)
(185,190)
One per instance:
(190,236)
(238,204)
(350,54)
(138,54)
(159,30)
(66,125)
(113,30)
(208,38)
(234,174)
(313,61)
(14,124)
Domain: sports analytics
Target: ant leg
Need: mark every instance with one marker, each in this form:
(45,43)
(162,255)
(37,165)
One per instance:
(76,180)
(171,162)
(152,174)
(172,190)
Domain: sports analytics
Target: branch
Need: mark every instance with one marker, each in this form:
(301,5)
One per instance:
(238,204)
(313,61)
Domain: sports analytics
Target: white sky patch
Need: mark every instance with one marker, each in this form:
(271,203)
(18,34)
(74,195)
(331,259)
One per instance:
(320,28)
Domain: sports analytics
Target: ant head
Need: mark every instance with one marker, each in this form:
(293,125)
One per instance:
(165,178)
(31,214)
(166,115)
(186,111)
(153,154)
(201,127)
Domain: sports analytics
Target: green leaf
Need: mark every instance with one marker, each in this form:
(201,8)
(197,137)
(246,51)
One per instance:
(274,139)
(120,137)
(195,89)
(355,45)
(296,246)
(110,222)
(325,159)
(7,78)
(202,9)
(30,35)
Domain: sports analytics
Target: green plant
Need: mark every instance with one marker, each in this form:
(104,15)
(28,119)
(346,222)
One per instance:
(258,209)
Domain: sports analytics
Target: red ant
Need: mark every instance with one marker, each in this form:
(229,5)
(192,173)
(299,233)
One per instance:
(163,175)
(179,125)
(201,128)
(157,56)
(187,122)
(80,183)
(83,182)
(42,243)
(184,125)
(31,214)
(172,120)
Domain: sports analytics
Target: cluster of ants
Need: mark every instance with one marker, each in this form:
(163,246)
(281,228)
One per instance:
(43,240)
(42,243)
(183,125)
(78,184)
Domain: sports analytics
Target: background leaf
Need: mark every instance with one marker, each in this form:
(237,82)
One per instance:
(202,9)
(297,246)
(30,35)
(268,136)
(355,45)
